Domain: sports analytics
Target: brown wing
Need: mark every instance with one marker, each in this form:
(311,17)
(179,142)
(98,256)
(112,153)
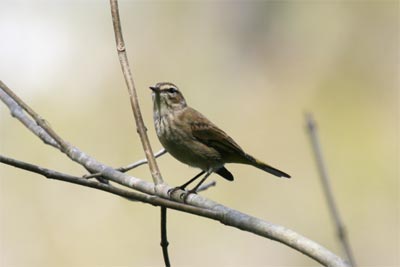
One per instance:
(209,134)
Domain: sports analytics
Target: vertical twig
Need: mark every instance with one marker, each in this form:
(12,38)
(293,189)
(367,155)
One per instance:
(141,128)
(164,240)
(323,173)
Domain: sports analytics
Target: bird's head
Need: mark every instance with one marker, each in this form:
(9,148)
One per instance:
(167,97)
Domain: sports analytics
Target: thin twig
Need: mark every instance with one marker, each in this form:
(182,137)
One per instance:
(164,240)
(323,173)
(130,166)
(141,128)
(202,206)
(204,187)
(142,161)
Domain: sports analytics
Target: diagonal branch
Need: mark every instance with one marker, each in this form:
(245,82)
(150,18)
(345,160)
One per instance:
(46,133)
(201,206)
(51,174)
(129,194)
(9,98)
(326,185)
(39,120)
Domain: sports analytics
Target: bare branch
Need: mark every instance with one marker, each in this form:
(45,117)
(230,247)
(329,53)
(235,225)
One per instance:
(142,161)
(130,166)
(204,207)
(51,174)
(323,173)
(129,194)
(39,120)
(8,97)
(141,128)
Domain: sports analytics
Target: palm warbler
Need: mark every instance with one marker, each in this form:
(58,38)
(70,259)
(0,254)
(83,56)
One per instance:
(194,140)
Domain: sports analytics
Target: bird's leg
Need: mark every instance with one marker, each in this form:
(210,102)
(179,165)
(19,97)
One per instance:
(182,187)
(194,190)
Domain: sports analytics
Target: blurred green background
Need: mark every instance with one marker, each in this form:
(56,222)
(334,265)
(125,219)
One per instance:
(254,68)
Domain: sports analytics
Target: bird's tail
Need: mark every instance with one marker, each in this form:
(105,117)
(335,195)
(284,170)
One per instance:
(265,167)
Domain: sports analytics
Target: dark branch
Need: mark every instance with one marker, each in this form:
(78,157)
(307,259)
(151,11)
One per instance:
(132,195)
(164,240)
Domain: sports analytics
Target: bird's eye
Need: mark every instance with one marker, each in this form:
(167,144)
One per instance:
(172,90)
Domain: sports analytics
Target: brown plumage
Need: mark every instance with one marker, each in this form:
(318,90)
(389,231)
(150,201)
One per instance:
(193,139)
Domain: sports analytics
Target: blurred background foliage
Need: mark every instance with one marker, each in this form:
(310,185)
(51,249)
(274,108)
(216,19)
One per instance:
(254,68)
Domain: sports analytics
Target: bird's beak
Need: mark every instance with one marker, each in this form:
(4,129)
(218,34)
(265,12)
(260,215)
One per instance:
(154,89)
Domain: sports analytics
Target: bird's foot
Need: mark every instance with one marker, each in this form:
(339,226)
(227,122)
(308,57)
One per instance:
(187,194)
(173,190)
(184,195)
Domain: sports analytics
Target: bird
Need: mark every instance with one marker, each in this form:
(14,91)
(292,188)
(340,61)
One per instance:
(193,139)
